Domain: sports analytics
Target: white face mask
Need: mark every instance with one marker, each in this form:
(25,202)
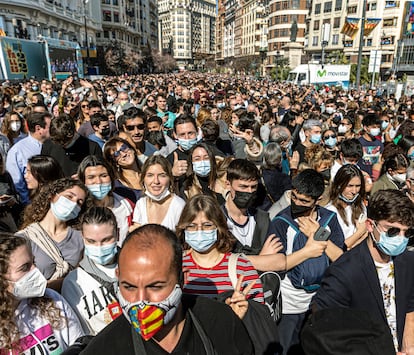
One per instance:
(329,110)
(400,178)
(31,285)
(15,126)
(158,198)
(342,129)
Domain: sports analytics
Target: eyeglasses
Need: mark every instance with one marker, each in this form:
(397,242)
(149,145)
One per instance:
(84,106)
(330,136)
(122,149)
(150,100)
(206,226)
(131,127)
(395,231)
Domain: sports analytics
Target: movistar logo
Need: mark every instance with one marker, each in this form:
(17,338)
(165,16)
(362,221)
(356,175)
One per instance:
(321,73)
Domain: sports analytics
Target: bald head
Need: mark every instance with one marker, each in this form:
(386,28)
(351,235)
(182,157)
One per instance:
(152,237)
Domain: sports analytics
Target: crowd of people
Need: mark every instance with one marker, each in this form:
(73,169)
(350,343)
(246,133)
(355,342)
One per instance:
(197,213)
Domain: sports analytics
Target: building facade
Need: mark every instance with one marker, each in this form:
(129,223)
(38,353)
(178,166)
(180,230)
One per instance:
(383,38)
(186,30)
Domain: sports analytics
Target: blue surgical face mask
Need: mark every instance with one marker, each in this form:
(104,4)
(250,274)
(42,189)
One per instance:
(411,156)
(384,125)
(330,142)
(347,200)
(64,209)
(99,191)
(200,240)
(101,255)
(221,105)
(315,138)
(391,246)
(202,168)
(187,144)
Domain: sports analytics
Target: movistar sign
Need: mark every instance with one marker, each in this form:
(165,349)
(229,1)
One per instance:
(321,73)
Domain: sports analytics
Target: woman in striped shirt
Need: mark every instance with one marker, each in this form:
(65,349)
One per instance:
(203,230)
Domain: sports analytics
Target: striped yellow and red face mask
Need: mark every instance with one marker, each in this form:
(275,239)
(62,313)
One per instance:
(148,318)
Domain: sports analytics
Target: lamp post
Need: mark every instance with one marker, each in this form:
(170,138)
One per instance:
(361,39)
(86,36)
(263,52)
(277,65)
(326,32)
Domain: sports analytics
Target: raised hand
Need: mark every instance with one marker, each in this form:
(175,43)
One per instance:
(238,301)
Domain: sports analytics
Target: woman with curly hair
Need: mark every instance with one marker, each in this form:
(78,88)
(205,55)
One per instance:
(347,196)
(204,233)
(47,221)
(121,155)
(34,319)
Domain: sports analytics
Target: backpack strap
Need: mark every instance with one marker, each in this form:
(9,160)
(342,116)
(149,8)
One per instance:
(260,230)
(232,268)
(269,196)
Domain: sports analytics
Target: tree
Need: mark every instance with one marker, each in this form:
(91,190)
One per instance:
(114,59)
(281,70)
(163,63)
(365,76)
(132,61)
(337,57)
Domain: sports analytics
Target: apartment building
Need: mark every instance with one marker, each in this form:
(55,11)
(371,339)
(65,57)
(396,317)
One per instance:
(187,30)
(334,12)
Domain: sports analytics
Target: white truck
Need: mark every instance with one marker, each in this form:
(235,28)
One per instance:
(305,74)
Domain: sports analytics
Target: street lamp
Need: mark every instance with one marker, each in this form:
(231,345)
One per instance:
(86,36)
(326,32)
(263,52)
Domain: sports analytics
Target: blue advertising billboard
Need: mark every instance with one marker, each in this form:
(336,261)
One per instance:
(22,59)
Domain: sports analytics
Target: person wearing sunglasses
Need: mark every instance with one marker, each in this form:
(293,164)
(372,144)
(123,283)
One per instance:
(376,276)
(132,128)
(330,141)
(121,155)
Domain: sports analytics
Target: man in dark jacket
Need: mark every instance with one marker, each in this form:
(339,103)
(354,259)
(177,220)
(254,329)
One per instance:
(377,275)
(156,318)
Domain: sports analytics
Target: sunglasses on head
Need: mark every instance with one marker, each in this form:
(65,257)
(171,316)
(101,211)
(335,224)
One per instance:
(395,231)
(132,127)
(122,148)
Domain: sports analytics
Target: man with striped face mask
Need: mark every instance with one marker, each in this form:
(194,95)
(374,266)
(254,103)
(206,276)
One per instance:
(156,317)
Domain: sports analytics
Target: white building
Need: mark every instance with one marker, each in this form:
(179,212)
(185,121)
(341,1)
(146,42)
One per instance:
(186,29)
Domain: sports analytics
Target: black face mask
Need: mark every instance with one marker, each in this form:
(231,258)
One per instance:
(105,132)
(299,211)
(244,199)
(326,174)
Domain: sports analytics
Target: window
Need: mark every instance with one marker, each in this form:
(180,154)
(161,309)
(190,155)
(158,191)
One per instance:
(115,2)
(369,42)
(391,3)
(387,40)
(335,39)
(372,6)
(338,5)
(352,9)
(116,16)
(107,16)
(348,43)
(389,22)
(295,4)
(106,34)
(315,41)
(327,7)
(337,22)
(316,25)
(317,9)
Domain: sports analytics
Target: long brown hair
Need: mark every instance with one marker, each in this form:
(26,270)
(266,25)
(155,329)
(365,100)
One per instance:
(341,181)
(9,331)
(210,207)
